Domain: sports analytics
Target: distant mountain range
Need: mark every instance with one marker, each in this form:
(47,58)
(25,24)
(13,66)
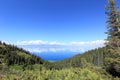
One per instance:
(56,56)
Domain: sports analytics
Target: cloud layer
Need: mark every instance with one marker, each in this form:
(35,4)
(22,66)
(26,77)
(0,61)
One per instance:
(46,46)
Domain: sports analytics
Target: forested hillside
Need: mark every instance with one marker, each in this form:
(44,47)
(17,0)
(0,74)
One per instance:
(104,58)
(16,63)
(97,64)
(10,55)
(94,57)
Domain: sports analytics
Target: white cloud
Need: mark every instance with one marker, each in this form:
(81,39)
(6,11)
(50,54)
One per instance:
(88,43)
(46,46)
(38,42)
(56,43)
(32,42)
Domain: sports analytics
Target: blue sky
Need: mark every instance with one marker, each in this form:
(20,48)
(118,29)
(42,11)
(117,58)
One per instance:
(63,21)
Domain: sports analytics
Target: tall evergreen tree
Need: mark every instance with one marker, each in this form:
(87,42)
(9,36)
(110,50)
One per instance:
(113,25)
(113,40)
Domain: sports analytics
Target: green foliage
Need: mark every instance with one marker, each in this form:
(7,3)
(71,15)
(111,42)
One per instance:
(113,39)
(113,25)
(18,64)
(94,57)
(112,62)
(10,55)
(64,74)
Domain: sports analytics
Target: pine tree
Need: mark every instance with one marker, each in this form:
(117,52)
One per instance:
(113,25)
(112,60)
